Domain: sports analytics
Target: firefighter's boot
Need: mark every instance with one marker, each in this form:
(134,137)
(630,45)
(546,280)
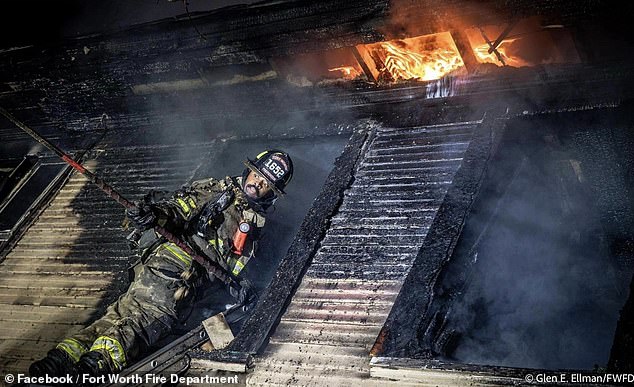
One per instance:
(93,363)
(56,363)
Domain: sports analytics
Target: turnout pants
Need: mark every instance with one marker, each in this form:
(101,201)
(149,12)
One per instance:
(141,316)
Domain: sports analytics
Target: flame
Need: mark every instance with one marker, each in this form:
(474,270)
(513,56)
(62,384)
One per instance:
(348,72)
(505,49)
(428,64)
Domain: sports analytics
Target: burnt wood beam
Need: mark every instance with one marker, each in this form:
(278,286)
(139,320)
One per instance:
(503,36)
(399,335)
(435,334)
(466,52)
(492,48)
(276,297)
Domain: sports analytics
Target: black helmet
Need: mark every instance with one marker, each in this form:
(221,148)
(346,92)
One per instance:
(275,166)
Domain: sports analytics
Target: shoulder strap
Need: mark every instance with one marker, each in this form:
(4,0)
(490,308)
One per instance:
(212,209)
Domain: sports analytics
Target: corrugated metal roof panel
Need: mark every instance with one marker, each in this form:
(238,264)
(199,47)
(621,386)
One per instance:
(325,336)
(72,261)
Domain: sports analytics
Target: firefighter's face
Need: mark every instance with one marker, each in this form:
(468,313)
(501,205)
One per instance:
(255,186)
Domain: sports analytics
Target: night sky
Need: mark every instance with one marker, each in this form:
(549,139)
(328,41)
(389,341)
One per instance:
(28,22)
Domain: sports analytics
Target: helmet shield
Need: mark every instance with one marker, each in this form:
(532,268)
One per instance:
(275,167)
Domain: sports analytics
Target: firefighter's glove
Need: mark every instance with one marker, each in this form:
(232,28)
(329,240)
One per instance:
(246,297)
(142,216)
(211,216)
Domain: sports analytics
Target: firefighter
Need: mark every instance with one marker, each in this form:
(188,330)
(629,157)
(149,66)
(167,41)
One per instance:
(220,219)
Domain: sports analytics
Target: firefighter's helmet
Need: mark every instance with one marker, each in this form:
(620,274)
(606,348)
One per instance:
(275,166)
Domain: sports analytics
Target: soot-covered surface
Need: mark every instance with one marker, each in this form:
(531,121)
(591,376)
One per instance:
(101,82)
(312,159)
(550,272)
(72,262)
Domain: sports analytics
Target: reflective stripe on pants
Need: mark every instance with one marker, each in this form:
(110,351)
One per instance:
(74,348)
(113,348)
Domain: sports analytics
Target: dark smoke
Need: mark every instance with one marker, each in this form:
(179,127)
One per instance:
(226,123)
(546,290)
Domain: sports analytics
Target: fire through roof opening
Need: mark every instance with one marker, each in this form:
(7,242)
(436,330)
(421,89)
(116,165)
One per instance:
(518,43)
(423,58)
(523,43)
(179,95)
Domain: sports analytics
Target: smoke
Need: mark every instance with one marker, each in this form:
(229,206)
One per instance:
(198,120)
(408,18)
(239,137)
(545,291)
(222,126)
(225,125)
